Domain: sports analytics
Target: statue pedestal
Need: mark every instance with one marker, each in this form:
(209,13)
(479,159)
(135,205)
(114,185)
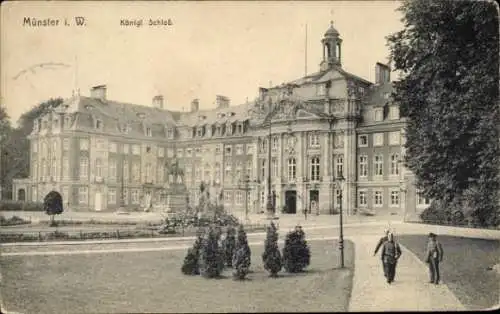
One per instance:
(175,196)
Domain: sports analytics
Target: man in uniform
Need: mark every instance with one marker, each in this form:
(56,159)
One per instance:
(434,255)
(391,251)
(379,245)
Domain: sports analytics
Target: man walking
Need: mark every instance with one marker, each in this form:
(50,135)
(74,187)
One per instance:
(379,245)
(434,256)
(391,252)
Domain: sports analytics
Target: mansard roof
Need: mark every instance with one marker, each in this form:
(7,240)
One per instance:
(237,113)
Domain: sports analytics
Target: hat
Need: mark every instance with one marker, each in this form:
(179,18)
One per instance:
(432,235)
(386,230)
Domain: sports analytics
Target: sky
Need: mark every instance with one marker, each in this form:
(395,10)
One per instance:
(211,48)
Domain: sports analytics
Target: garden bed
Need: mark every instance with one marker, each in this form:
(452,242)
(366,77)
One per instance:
(13,221)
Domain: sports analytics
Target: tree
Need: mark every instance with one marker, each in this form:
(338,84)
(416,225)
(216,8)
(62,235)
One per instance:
(242,255)
(191,261)
(53,205)
(448,56)
(211,260)
(296,253)
(272,256)
(229,245)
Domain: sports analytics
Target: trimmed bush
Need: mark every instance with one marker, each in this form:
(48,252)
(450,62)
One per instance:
(53,205)
(211,261)
(296,253)
(271,256)
(242,255)
(13,221)
(229,246)
(191,261)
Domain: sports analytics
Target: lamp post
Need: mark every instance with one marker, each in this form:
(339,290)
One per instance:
(338,185)
(269,206)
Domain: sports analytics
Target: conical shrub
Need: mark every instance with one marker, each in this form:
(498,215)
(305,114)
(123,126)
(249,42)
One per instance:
(296,253)
(211,261)
(242,255)
(191,261)
(272,257)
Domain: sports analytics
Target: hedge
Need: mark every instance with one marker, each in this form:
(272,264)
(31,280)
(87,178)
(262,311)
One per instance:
(6,205)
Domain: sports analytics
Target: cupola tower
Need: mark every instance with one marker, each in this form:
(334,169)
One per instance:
(332,49)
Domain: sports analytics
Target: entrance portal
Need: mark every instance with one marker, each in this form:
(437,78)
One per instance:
(291,202)
(313,201)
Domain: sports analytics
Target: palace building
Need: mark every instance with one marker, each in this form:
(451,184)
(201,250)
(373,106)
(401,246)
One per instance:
(318,128)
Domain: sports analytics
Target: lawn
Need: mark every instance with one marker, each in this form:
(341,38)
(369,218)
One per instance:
(152,282)
(465,267)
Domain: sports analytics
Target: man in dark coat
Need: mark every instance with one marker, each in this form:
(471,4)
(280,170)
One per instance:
(434,255)
(391,251)
(379,245)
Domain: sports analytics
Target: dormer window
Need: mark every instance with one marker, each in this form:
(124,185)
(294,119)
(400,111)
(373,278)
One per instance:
(232,114)
(219,130)
(221,115)
(320,90)
(98,124)
(141,115)
(199,131)
(67,121)
(240,128)
(170,133)
(202,117)
(378,114)
(55,123)
(149,132)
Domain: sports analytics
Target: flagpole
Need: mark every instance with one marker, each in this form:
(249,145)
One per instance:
(305,61)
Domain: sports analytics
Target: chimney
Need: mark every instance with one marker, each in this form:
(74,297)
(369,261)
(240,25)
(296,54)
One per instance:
(195,105)
(221,101)
(382,73)
(98,91)
(158,101)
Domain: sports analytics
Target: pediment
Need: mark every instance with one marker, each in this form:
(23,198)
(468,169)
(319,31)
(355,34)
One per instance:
(303,114)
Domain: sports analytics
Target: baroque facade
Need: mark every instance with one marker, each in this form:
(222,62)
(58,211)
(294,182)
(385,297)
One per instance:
(318,128)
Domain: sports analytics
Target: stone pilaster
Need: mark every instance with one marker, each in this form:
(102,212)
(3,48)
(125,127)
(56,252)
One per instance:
(349,190)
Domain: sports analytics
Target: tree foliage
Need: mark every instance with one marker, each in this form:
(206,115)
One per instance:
(242,255)
(296,253)
(53,205)
(448,56)
(272,256)
(229,245)
(211,259)
(191,261)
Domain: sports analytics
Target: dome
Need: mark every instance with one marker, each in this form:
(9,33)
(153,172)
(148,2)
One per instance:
(332,32)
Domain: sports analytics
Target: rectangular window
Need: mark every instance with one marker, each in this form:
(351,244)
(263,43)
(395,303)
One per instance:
(275,167)
(239,198)
(180,151)
(83,195)
(262,169)
(160,173)
(126,149)
(249,149)
(320,90)
(112,147)
(149,173)
(227,196)
(394,198)
(393,112)
(378,114)
(65,144)
(136,149)
(227,171)
(111,196)
(315,168)
(394,164)
(378,139)
(228,150)
(313,140)
(262,199)
(275,143)
(149,132)
(189,152)
(378,164)
(249,171)
(394,138)
(422,201)
(292,169)
(363,165)
(217,149)
(378,199)
(339,165)
(197,151)
(84,168)
(363,141)
(338,140)
(362,198)
(112,170)
(239,149)
(84,144)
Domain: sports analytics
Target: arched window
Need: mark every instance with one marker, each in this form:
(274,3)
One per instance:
(292,169)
